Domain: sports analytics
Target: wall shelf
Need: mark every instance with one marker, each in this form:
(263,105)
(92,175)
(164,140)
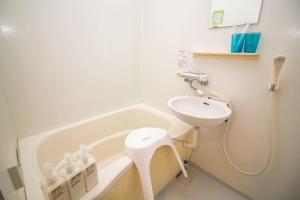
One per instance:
(246,56)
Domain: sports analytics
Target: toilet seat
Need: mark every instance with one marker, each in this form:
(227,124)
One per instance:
(140,145)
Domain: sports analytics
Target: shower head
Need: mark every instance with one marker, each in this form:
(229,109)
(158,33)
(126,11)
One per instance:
(278,63)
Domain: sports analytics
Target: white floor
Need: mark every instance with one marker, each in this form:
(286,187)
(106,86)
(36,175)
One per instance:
(202,187)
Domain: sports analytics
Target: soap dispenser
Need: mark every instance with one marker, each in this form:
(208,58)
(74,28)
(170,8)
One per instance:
(89,167)
(74,176)
(55,187)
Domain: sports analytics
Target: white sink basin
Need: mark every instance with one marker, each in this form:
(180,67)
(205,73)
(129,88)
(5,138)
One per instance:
(199,111)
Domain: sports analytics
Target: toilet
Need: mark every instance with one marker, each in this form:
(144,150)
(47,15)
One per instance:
(140,145)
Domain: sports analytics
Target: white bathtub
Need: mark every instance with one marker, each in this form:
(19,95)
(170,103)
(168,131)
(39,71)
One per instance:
(107,134)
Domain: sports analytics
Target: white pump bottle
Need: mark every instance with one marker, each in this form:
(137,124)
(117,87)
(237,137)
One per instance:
(89,167)
(55,187)
(74,176)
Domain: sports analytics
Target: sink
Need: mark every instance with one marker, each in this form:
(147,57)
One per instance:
(199,111)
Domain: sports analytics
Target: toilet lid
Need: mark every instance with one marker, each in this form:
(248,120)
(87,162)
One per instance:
(144,137)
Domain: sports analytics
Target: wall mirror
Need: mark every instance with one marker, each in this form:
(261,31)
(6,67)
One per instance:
(234,12)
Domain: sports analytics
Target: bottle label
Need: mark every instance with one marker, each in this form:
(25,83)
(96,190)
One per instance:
(76,179)
(57,192)
(91,169)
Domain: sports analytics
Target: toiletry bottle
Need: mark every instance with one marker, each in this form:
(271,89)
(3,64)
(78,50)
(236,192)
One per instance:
(74,177)
(55,187)
(89,167)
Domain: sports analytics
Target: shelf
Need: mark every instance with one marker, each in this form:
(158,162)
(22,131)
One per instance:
(247,56)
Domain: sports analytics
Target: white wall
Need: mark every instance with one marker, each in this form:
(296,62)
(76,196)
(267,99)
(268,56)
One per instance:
(68,60)
(7,153)
(172,25)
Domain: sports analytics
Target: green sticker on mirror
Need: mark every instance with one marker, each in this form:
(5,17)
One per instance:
(217,18)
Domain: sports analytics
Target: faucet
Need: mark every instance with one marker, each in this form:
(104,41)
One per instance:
(192,76)
(191,83)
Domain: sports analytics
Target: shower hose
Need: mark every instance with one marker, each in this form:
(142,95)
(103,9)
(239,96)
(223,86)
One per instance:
(226,133)
(269,155)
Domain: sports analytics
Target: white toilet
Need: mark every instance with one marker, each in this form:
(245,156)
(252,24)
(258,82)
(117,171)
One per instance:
(140,146)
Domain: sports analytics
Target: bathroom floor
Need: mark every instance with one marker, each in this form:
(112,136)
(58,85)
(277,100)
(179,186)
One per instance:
(202,187)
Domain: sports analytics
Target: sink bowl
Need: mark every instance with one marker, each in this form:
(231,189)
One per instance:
(199,111)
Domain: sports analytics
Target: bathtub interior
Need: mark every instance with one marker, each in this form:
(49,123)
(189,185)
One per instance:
(112,129)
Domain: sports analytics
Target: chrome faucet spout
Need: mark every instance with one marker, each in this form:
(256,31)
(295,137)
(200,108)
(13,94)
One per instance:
(191,83)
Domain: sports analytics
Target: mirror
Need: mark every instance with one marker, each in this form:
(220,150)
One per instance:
(234,12)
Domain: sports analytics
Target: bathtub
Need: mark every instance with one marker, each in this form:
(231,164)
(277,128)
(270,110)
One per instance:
(118,177)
